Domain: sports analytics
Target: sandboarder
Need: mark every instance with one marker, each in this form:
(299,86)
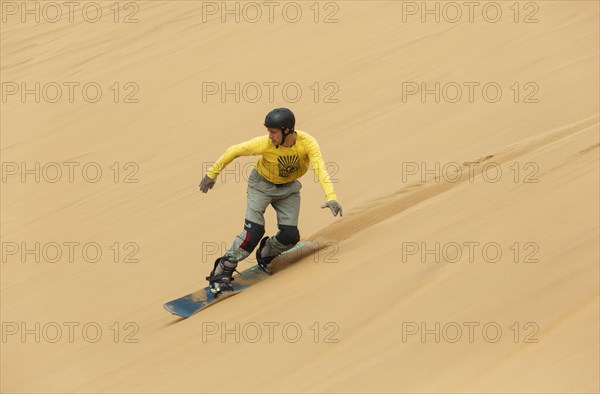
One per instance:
(285,154)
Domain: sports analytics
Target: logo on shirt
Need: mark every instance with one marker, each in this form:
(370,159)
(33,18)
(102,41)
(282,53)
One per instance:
(288,165)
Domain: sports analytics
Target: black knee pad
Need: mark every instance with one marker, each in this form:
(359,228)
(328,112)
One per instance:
(254,233)
(288,235)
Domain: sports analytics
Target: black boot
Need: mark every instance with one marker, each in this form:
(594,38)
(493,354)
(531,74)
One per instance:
(263,262)
(220,277)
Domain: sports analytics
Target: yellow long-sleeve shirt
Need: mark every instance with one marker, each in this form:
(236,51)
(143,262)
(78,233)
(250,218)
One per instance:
(283,164)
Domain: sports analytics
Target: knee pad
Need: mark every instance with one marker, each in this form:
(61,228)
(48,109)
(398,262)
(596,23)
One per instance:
(288,235)
(254,233)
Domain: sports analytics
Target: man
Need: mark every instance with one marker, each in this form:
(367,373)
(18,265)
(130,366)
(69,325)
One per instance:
(285,154)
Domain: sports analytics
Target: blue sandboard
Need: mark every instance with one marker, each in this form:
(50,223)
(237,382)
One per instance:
(194,302)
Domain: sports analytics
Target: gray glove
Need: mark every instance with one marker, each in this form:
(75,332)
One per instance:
(206,184)
(334,206)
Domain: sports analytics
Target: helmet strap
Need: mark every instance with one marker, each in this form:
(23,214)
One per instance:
(284,136)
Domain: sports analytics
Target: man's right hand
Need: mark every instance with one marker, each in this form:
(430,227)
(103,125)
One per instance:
(206,184)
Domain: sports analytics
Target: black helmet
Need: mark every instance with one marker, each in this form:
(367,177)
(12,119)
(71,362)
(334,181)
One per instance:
(281,118)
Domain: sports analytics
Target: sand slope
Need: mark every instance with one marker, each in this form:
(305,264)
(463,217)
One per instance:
(433,281)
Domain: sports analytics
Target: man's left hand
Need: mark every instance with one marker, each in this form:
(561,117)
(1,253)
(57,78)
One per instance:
(334,206)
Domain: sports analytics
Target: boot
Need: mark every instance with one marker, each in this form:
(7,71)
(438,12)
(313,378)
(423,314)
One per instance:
(263,261)
(221,276)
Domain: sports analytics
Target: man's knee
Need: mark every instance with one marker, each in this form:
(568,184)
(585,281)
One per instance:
(288,235)
(253,234)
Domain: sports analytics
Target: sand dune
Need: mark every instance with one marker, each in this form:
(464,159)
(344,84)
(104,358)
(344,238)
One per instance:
(467,256)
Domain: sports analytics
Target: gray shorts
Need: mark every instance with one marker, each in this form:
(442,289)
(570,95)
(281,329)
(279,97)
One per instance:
(262,193)
(285,199)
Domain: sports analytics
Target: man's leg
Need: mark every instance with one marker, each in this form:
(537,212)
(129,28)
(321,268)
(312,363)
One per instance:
(288,211)
(245,242)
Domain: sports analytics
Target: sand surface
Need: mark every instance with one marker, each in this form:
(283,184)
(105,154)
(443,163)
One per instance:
(464,151)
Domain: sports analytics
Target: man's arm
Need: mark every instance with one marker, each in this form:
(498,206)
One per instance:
(252,147)
(318,164)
